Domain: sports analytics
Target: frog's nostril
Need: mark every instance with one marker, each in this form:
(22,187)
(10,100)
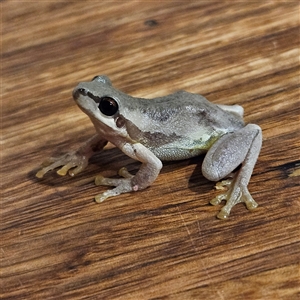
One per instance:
(78,92)
(82,91)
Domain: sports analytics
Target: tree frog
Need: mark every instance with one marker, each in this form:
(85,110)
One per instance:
(174,127)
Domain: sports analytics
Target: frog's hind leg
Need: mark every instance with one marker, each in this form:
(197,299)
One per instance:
(239,148)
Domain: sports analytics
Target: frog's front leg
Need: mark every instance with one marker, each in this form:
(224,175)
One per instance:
(146,175)
(226,154)
(73,162)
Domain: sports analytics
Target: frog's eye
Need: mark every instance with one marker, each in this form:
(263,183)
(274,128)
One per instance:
(108,106)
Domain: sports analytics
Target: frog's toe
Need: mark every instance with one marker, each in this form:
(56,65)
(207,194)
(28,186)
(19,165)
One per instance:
(47,167)
(218,199)
(78,169)
(232,197)
(224,184)
(124,173)
(247,199)
(251,203)
(121,186)
(223,214)
(65,169)
(225,211)
(40,173)
(109,193)
(47,162)
(100,180)
(101,197)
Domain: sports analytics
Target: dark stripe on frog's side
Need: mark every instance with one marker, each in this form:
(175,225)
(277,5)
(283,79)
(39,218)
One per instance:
(161,144)
(148,139)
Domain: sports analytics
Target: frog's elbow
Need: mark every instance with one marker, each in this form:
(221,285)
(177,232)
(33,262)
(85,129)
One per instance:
(234,109)
(237,109)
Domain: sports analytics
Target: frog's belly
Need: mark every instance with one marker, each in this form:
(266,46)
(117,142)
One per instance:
(174,147)
(183,148)
(169,154)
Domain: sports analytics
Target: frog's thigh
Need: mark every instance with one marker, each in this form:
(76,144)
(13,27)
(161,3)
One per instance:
(229,152)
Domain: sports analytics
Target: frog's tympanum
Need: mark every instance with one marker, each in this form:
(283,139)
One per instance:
(173,127)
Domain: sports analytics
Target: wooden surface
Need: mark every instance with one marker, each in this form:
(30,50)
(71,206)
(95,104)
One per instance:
(164,242)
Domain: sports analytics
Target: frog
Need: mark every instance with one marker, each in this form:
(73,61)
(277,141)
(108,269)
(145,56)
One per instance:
(174,127)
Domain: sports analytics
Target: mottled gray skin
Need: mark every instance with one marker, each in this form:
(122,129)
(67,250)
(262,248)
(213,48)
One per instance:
(173,127)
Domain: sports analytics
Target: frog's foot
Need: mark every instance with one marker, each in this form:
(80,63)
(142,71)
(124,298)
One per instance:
(224,184)
(71,163)
(122,185)
(235,194)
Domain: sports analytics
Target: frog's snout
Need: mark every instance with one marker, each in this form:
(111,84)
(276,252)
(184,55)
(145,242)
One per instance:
(77,92)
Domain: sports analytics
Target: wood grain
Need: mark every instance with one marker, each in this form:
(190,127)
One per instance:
(164,242)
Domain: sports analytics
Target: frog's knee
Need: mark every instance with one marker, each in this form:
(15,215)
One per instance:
(211,174)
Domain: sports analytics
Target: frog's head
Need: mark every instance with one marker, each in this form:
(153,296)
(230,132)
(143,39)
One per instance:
(101,102)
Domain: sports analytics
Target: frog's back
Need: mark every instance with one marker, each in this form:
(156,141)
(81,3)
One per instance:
(181,111)
(181,125)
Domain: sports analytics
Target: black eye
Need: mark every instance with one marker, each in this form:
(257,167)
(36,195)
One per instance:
(108,106)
